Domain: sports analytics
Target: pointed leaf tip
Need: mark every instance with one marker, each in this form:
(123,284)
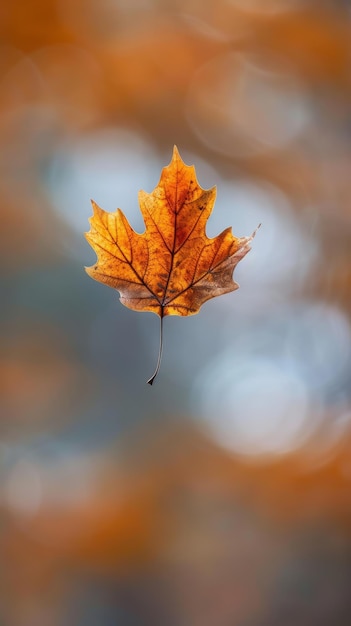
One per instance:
(256,229)
(176,154)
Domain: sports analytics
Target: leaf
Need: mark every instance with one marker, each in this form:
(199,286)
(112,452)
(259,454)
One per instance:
(173,267)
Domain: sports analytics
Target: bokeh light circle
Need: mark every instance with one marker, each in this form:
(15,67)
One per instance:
(252,406)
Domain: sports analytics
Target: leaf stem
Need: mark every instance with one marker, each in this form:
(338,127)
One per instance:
(151,380)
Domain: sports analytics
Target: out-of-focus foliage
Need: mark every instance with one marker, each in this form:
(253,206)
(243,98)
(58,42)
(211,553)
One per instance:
(221,497)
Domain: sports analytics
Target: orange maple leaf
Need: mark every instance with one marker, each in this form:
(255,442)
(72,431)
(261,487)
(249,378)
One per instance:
(173,267)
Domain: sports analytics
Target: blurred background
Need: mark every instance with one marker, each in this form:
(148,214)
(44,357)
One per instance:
(221,495)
